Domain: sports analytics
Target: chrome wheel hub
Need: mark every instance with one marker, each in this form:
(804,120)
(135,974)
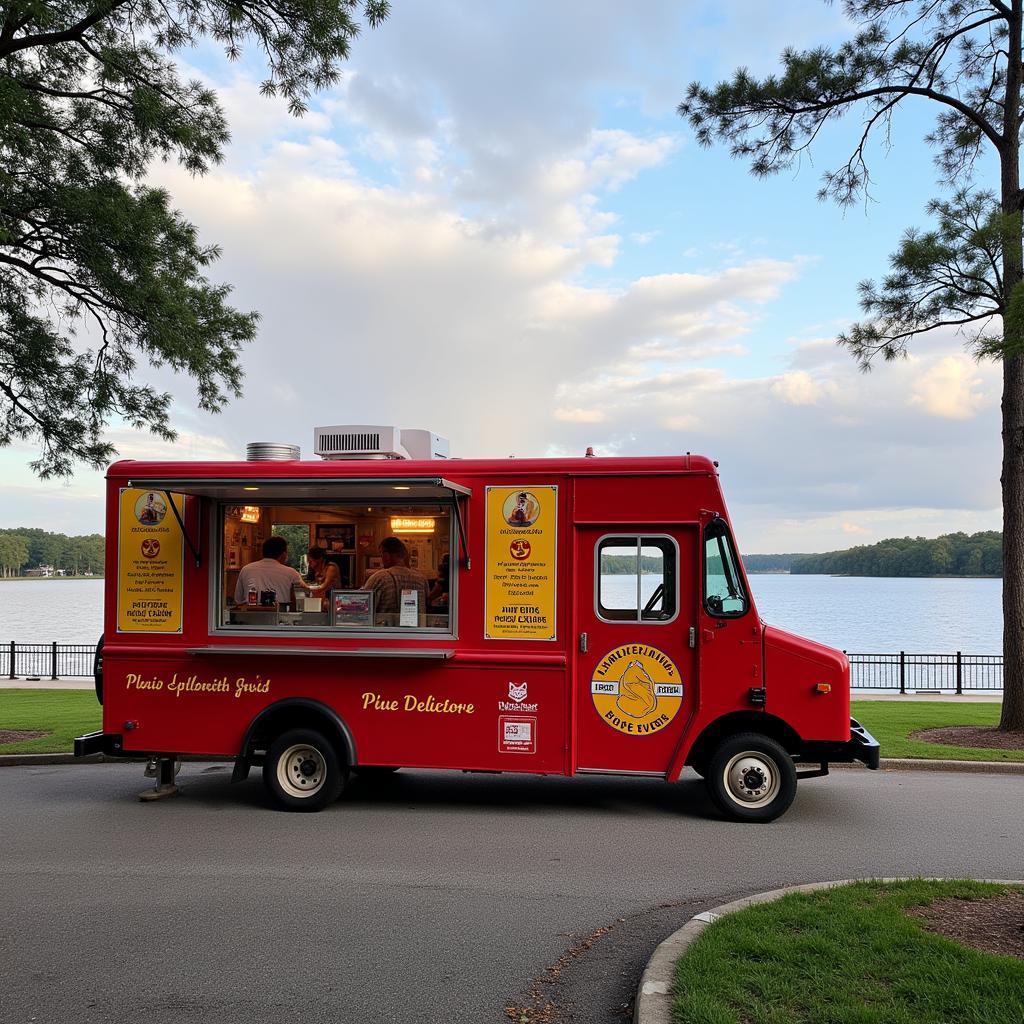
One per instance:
(751,778)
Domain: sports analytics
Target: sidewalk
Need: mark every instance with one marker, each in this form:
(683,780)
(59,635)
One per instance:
(963,698)
(71,683)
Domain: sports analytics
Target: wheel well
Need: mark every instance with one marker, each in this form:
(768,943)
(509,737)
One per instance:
(742,721)
(297,713)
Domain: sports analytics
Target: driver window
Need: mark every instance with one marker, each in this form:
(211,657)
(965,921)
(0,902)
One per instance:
(723,586)
(636,579)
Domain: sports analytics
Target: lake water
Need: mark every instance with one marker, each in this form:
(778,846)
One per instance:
(851,613)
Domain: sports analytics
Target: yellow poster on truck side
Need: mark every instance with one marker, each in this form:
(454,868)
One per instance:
(520,562)
(150,563)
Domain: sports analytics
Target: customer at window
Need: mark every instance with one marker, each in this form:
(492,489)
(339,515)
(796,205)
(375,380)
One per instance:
(326,574)
(437,599)
(269,573)
(396,576)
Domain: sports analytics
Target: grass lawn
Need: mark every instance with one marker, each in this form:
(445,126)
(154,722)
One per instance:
(64,714)
(891,723)
(845,956)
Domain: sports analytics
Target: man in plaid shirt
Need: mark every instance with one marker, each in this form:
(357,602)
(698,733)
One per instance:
(396,576)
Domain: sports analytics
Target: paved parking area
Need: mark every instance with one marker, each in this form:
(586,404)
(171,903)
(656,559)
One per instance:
(434,897)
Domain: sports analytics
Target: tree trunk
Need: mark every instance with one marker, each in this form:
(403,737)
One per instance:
(1013,395)
(1013,544)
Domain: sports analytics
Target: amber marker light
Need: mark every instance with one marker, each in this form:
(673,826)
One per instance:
(823,688)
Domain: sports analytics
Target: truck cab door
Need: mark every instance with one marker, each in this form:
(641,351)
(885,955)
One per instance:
(636,595)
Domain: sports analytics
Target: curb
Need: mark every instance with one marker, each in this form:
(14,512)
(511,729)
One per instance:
(905,764)
(654,993)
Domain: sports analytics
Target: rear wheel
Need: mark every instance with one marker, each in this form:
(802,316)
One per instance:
(302,770)
(750,777)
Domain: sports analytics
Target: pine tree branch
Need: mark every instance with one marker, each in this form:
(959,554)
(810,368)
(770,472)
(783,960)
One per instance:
(69,35)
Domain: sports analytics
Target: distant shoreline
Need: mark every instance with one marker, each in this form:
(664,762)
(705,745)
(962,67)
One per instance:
(46,579)
(872,576)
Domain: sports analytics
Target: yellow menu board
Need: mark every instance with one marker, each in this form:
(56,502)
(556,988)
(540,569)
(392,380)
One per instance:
(150,563)
(520,563)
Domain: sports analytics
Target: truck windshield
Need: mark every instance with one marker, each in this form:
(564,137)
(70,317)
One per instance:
(724,593)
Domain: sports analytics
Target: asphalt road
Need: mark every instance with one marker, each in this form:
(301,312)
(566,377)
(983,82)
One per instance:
(434,897)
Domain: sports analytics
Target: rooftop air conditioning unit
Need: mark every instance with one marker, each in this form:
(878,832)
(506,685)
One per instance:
(368,442)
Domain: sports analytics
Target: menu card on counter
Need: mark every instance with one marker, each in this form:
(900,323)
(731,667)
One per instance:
(410,608)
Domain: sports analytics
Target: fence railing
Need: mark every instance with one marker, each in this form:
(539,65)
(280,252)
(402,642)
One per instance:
(46,661)
(901,672)
(904,672)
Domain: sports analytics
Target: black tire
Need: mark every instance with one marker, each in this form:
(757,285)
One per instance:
(97,670)
(750,777)
(303,771)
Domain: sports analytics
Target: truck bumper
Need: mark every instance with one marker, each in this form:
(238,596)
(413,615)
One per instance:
(109,743)
(861,746)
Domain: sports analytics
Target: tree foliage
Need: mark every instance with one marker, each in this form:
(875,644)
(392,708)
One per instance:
(951,53)
(966,272)
(29,547)
(97,270)
(954,554)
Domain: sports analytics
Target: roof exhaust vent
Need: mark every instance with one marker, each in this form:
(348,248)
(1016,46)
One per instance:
(360,441)
(272,451)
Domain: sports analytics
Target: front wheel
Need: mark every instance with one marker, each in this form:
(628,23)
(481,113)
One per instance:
(750,777)
(302,770)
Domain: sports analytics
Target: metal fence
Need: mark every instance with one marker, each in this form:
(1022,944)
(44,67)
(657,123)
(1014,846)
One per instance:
(915,673)
(46,661)
(900,672)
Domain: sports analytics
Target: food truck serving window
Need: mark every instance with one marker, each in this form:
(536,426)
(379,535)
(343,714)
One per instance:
(637,579)
(724,594)
(334,567)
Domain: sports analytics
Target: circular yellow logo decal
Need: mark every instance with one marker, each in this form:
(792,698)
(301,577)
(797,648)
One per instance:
(636,689)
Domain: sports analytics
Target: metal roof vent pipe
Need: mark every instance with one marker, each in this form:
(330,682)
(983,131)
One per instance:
(272,451)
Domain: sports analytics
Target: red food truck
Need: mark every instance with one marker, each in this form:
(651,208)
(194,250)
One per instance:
(552,616)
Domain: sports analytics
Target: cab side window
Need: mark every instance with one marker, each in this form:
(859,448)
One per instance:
(724,594)
(636,579)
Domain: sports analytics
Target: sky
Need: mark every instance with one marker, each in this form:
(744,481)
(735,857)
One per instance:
(496,226)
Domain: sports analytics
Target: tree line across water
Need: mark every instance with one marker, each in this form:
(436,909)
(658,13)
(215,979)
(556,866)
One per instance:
(953,554)
(25,548)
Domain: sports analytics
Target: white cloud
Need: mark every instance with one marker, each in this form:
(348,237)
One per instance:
(952,388)
(798,388)
(457,236)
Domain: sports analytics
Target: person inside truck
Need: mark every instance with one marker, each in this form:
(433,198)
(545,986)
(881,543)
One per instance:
(437,599)
(389,582)
(269,573)
(327,575)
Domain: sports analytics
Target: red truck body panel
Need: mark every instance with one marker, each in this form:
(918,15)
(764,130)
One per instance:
(454,701)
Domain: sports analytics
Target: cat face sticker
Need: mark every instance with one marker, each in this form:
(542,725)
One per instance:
(636,689)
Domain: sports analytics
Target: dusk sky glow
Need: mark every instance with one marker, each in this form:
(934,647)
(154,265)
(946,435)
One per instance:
(496,226)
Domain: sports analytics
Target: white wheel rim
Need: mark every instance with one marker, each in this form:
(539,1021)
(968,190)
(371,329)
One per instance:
(751,779)
(301,770)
